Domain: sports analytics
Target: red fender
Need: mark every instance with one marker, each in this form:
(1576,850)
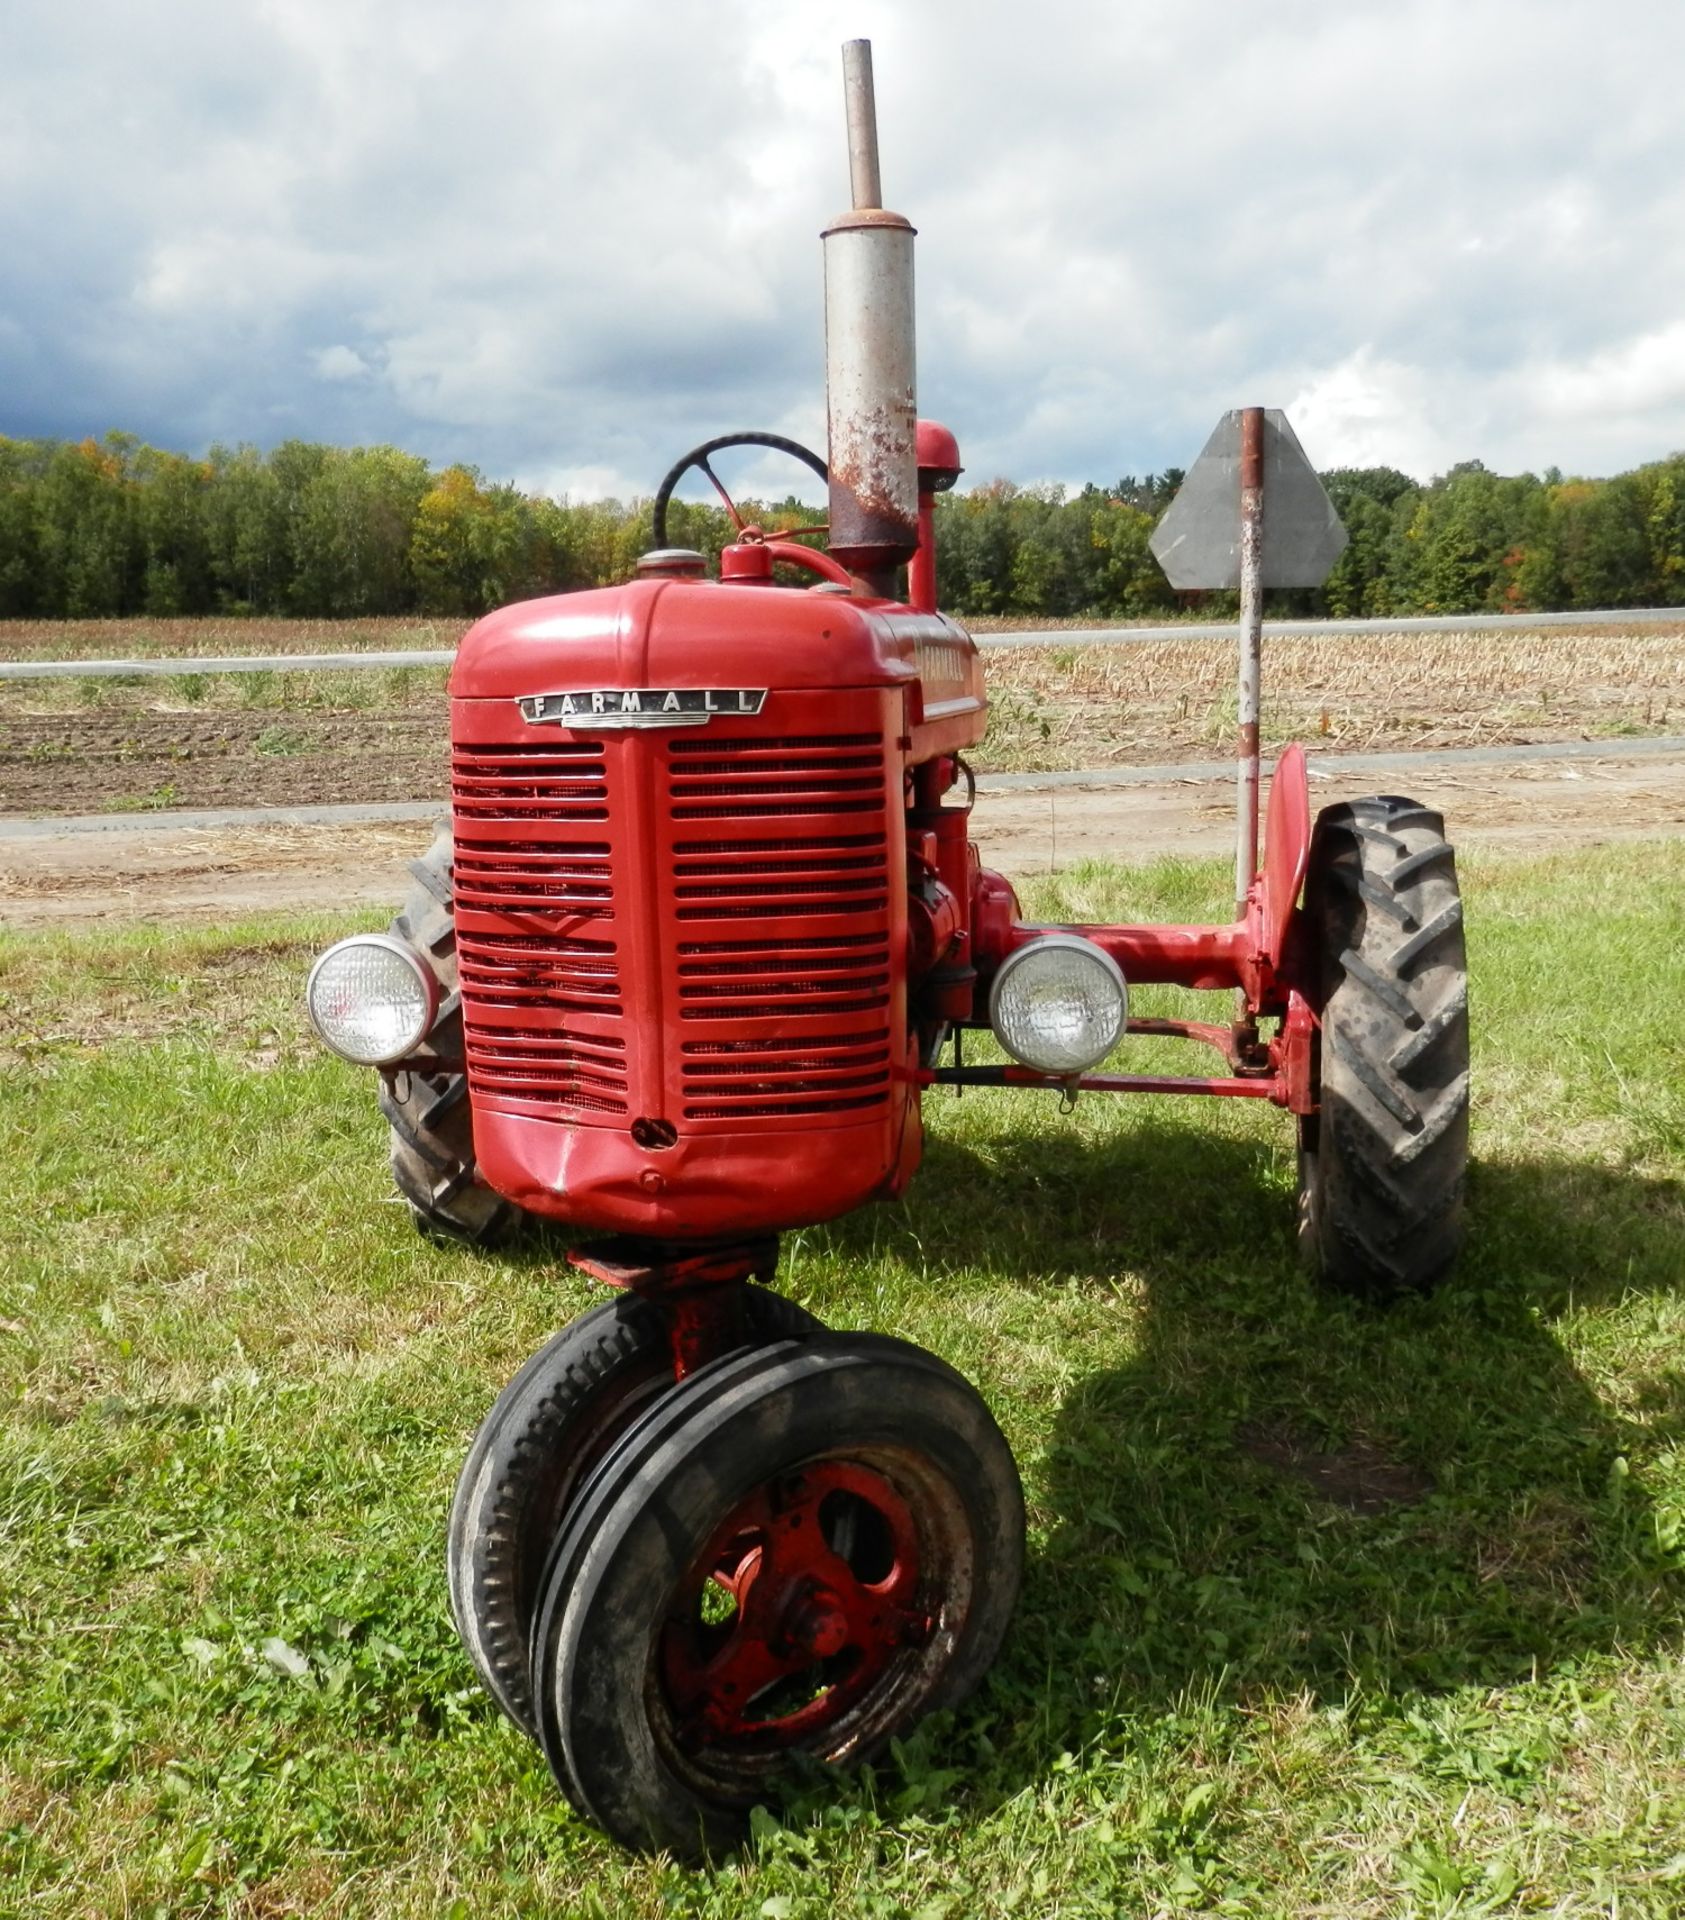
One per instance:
(1287,850)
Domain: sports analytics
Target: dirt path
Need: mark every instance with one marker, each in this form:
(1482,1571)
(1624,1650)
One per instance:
(149,871)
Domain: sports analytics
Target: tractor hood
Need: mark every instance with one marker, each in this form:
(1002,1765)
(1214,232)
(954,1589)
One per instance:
(696,634)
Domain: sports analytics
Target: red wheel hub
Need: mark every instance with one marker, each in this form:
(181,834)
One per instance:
(795,1609)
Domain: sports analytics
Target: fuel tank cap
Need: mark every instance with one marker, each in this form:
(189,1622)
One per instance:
(672,563)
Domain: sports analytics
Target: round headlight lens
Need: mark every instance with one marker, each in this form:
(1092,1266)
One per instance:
(371,998)
(1059,1004)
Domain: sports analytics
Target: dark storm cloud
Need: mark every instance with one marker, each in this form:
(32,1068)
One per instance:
(564,241)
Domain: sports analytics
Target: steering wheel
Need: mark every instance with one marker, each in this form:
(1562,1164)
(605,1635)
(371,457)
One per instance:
(698,458)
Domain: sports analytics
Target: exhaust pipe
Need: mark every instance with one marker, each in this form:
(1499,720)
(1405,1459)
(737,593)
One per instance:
(870,359)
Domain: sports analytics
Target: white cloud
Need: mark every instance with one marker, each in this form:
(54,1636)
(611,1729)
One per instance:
(340,363)
(1589,413)
(1633,379)
(581,483)
(560,238)
(1368,412)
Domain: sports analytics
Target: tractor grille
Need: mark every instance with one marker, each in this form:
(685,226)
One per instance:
(695,927)
(506,876)
(819,774)
(543,1021)
(781,899)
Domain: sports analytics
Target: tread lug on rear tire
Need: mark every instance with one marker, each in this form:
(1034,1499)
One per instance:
(545,1433)
(795,1555)
(432,1123)
(1383,1164)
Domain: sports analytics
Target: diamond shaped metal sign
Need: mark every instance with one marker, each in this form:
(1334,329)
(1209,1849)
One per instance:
(1198,541)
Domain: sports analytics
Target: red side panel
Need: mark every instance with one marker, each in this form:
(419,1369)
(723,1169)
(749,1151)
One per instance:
(1287,846)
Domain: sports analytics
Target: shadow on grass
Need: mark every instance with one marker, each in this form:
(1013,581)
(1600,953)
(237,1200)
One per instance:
(1283,1493)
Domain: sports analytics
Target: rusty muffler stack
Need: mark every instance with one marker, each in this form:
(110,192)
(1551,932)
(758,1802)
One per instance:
(870,359)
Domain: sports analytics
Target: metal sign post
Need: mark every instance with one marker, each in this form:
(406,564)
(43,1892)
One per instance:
(1251,648)
(1217,533)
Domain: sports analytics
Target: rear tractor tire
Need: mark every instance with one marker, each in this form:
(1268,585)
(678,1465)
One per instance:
(427,1109)
(1382,1165)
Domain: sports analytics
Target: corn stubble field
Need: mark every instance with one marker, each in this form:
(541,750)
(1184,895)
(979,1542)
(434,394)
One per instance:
(1327,1611)
(77,746)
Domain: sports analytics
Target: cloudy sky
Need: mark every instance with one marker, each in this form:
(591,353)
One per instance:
(565,241)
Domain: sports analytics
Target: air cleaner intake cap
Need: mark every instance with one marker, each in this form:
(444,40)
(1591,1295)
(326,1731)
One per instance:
(938,455)
(1059,1004)
(371,999)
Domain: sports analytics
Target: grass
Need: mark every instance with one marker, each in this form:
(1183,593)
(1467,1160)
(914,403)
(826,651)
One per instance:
(237,1391)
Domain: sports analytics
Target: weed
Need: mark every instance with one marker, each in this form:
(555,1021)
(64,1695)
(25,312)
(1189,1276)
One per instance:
(166,794)
(281,741)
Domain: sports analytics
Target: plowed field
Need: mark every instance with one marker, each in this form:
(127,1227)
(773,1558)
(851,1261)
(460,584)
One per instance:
(195,740)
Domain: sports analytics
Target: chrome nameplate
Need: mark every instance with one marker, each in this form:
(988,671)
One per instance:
(640,706)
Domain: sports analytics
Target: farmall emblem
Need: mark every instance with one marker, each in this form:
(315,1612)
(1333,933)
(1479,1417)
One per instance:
(640,706)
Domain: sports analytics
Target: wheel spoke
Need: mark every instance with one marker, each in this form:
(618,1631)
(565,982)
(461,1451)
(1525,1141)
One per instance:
(716,1697)
(714,482)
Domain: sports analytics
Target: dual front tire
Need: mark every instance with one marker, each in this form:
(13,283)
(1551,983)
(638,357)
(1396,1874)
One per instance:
(425,1102)
(687,1592)
(547,1431)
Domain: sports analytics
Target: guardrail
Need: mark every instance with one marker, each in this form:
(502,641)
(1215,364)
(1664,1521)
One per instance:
(169,667)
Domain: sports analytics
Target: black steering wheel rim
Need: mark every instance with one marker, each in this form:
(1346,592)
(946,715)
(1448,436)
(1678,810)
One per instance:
(699,456)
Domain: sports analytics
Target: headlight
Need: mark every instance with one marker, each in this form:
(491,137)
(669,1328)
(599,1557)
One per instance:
(371,998)
(1059,1004)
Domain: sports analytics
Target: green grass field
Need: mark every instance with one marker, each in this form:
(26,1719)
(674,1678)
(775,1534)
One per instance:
(237,1389)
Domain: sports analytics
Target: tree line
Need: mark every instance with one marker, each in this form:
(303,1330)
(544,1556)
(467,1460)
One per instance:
(98,528)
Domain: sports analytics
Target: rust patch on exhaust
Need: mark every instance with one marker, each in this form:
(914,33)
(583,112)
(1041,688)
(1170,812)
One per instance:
(874,522)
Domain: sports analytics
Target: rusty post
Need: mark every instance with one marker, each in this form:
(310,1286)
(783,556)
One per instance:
(1251,647)
(870,381)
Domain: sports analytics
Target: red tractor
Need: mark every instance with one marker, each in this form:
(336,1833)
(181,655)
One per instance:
(704,925)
